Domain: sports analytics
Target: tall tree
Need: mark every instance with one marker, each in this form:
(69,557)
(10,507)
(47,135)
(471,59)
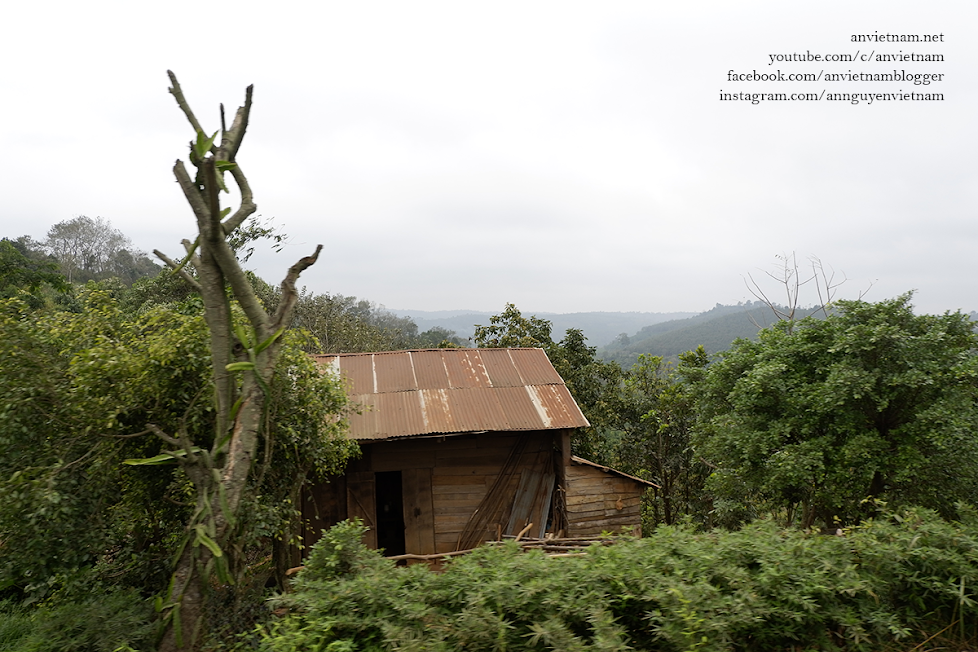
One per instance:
(656,416)
(244,354)
(872,402)
(25,275)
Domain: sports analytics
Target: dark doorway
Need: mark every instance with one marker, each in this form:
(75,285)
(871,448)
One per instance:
(390,513)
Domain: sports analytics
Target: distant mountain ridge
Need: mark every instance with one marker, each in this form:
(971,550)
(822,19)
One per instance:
(715,329)
(600,328)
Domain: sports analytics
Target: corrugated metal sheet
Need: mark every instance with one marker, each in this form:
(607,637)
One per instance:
(446,391)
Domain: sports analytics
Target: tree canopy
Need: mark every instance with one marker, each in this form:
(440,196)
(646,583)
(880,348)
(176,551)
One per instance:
(873,402)
(79,389)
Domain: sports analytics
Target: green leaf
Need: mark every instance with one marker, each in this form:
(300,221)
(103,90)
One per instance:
(206,541)
(219,176)
(224,166)
(223,573)
(224,212)
(177,626)
(225,506)
(267,343)
(241,366)
(234,415)
(190,254)
(169,457)
(203,144)
(247,341)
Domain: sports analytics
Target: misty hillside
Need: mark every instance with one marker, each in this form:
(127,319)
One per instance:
(599,328)
(715,329)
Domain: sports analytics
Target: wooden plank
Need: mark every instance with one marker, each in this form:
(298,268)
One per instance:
(609,524)
(361,501)
(523,501)
(457,507)
(450,523)
(604,504)
(459,442)
(488,461)
(606,499)
(457,480)
(419,517)
(590,481)
(471,469)
(467,455)
(601,513)
(469,494)
(565,450)
(495,440)
(323,505)
(398,461)
(542,513)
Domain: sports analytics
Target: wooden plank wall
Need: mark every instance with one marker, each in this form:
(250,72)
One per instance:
(601,502)
(444,480)
(361,502)
(323,506)
(462,468)
(419,521)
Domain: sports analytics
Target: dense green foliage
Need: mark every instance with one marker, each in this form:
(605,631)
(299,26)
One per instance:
(655,420)
(24,275)
(819,422)
(887,582)
(109,621)
(79,390)
(871,402)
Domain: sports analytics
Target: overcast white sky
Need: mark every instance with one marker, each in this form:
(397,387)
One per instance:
(564,156)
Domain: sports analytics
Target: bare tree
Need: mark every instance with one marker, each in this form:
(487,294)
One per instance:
(244,357)
(790,278)
(85,245)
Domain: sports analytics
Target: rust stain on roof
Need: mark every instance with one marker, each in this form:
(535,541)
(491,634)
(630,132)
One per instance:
(447,391)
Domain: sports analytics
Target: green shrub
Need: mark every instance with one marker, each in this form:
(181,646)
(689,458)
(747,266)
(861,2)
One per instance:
(882,584)
(99,623)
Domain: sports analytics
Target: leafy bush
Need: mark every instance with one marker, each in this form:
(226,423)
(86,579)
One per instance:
(761,588)
(99,623)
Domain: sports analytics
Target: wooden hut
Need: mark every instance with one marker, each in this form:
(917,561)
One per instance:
(461,446)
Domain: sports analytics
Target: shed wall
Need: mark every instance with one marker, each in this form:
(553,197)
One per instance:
(598,502)
(445,479)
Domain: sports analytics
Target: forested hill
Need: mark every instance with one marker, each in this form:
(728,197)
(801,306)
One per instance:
(598,327)
(715,330)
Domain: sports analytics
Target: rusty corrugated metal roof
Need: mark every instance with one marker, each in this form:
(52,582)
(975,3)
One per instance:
(448,391)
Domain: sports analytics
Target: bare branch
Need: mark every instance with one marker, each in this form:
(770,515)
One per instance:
(177,92)
(191,191)
(213,201)
(863,293)
(191,249)
(138,434)
(177,268)
(754,288)
(289,295)
(231,140)
(183,442)
(247,201)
